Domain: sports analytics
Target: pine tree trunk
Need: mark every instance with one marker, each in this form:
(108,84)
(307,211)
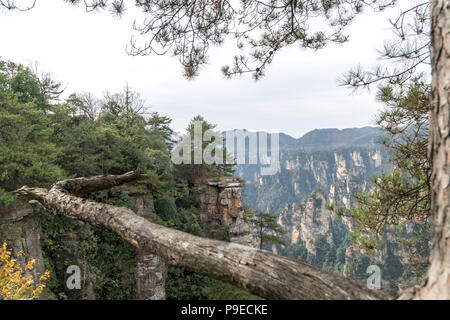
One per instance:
(437,285)
(257,271)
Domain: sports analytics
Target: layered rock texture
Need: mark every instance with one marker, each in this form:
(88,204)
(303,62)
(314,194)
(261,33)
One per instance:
(323,167)
(221,207)
(20,228)
(150,269)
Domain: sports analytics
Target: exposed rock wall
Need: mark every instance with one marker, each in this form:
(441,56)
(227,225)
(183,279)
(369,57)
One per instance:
(307,221)
(20,228)
(150,277)
(150,269)
(339,173)
(71,255)
(150,273)
(221,204)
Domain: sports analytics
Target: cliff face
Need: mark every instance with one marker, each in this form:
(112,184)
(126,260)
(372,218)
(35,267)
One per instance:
(338,173)
(306,221)
(149,274)
(20,228)
(150,269)
(313,232)
(221,206)
(317,180)
(324,167)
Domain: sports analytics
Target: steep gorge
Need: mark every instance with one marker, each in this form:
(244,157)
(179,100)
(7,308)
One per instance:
(325,167)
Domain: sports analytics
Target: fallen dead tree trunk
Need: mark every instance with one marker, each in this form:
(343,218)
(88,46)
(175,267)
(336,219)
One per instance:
(257,271)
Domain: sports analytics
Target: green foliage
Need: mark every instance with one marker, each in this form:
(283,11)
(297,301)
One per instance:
(27,154)
(126,201)
(295,251)
(218,290)
(110,136)
(179,211)
(167,210)
(279,25)
(43,141)
(104,258)
(400,199)
(297,183)
(267,227)
(6,198)
(113,261)
(159,127)
(53,227)
(182,285)
(219,232)
(194,171)
(357,267)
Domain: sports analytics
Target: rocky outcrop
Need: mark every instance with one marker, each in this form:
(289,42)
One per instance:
(339,173)
(150,277)
(21,230)
(150,269)
(221,205)
(305,222)
(150,273)
(70,255)
(325,239)
(324,167)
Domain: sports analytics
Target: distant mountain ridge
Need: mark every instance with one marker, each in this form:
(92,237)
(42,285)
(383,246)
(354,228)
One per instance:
(326,139)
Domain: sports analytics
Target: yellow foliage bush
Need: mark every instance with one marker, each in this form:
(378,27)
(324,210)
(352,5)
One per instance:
(14,283)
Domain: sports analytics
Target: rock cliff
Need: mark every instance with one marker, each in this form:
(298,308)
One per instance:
(324,167)
(221,207)
(20,228)
(150,269)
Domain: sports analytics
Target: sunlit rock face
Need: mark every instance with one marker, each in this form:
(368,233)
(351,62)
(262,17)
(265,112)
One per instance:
(221,206)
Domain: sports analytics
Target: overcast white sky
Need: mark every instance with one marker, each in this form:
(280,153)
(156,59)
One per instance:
(86,52)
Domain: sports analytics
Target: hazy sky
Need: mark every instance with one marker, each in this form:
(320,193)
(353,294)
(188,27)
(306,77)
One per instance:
(86,52)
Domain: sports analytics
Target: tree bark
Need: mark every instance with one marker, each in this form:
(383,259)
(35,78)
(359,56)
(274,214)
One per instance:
(437,285)
(259,272)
